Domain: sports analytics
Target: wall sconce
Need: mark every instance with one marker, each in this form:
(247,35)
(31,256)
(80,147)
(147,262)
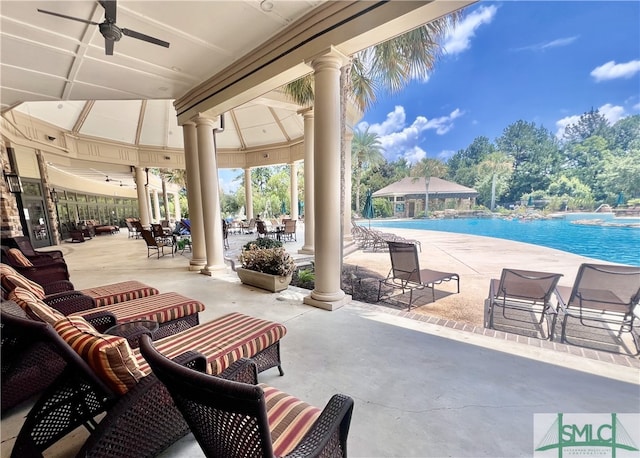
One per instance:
(54,196)
(14,182)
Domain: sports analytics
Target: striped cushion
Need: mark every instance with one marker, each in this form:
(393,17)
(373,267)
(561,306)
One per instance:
(12,279)
(289,419)
(222,341)
(159,307)
(20,259)
(34,307)
(109,356)
(119,292)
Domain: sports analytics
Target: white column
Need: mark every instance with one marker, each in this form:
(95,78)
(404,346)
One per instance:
(309,225)
(294,191)
(156,206)
(176,206)
(149,205)
(165,200)
(328,244)
(209,188)
(346,228)
(143,206)
(248,193)
(194,198)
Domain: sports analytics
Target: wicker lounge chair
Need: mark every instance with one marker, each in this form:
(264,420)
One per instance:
(40,273)
(406,274)
(236,419)
(527,294)
(605,294)
(24,244)
(141,419)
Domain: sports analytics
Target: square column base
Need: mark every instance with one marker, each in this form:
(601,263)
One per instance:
(327,305)
(212,270)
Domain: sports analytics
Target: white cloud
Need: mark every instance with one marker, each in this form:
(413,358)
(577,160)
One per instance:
(549,44)
(611,70)
(460,38)
(400,140)
(613,113)
(445,155)
(637,106)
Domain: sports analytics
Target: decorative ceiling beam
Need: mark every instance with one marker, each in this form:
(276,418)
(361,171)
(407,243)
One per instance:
(89,32)
(143,109)
(82,117)
(234,119)
(280,126)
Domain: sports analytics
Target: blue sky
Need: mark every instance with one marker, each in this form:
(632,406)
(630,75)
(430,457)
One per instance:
(546,62)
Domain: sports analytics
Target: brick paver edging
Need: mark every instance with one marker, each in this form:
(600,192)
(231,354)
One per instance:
(614,358)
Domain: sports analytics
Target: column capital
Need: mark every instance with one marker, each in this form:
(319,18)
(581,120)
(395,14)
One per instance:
(306,112)
(203,121)
(330,57)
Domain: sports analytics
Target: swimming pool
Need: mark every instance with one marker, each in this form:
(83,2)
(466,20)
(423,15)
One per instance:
(608,243)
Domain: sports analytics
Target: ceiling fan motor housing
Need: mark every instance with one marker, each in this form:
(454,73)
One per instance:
(110,31)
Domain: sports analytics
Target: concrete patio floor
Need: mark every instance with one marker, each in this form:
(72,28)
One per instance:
(421,389)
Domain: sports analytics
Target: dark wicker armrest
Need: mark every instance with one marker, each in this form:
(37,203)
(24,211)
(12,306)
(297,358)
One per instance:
(133,334)
(193,360)
(328,435)
(70,302)
(101,320)
(57,287)
(243,370)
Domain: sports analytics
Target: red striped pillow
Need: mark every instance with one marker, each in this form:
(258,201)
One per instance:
(20,259)
(11,279)
(109,356)
(289,419)
(35,307)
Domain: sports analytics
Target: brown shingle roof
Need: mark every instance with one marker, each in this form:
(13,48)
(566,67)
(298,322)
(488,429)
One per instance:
(415,186)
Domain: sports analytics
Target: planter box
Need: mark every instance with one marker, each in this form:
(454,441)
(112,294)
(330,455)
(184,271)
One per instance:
(273,283)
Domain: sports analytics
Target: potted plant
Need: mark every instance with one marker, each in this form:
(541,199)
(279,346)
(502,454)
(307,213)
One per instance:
(266,265)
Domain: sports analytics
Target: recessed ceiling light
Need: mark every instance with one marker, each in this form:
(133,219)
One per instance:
(176,69)
(60,106)
(266,5)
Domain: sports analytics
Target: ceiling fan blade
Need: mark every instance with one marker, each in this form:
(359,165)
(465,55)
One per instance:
(109,10)
(67,17)
(143,37)
(108,47)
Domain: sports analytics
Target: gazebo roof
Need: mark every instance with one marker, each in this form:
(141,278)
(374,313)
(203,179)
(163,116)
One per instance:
(416,186)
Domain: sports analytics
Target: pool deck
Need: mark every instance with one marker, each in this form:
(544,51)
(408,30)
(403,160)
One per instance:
(422,387)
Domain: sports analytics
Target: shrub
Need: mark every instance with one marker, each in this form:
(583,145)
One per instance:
(274,261)
(306,275)
(261,243)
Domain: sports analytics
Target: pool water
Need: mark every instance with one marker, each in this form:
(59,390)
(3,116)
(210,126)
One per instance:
(607,243)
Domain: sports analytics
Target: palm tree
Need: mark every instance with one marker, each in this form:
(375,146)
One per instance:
(366,151)
(428,168)
(388,66)
(495,165)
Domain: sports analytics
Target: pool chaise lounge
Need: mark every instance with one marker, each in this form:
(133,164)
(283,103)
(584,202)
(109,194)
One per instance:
(107,376)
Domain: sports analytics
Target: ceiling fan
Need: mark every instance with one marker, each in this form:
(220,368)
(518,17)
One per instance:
(109,30)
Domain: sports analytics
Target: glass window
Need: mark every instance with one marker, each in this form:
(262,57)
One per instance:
(31,188)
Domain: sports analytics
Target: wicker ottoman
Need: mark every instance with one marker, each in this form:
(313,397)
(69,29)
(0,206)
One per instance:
(119,292)
(225,340)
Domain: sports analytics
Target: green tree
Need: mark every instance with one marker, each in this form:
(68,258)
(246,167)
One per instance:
(428,168)
(495,168)
(589,124)
(626,133)
(535,154)
(463,165)
(366,152)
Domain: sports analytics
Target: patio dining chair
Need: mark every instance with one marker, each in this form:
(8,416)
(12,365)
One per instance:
(602,295)
(527,295)
(289,231)
(156,244)
(406,274)
(241,419)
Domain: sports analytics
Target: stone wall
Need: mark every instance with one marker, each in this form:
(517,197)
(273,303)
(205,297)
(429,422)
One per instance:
(10,225)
